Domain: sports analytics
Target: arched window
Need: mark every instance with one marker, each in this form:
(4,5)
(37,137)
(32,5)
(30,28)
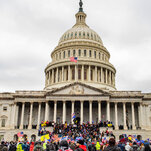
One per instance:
(68,53)
(74,53)
(90,53)
(73,74)
(94,54)
(79,52)
(79,74)
(60,55)
(64,54)
(85,53)
(88,35)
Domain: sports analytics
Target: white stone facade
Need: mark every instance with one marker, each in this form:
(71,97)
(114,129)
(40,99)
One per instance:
(86,88)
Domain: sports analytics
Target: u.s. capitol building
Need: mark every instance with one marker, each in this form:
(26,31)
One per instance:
(86,88)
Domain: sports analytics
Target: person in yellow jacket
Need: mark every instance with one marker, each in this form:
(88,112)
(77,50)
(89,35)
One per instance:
(98,146)
(19,147)
(44,146)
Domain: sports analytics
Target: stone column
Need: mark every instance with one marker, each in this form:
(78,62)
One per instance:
(55,111)
(69,73)
(133,116)
(57,75)
(76,73)
(141,116)
(90,112)
(81,113)
(96,74)
(110,77)
(46,111)
(64,112)
(102,75)
(106,76)
(22,116)
(14,116)
(108,111)
(82,74)
(49,78)
(99,111)
(124,115)
(62,73)
(89,73)
(72,111)
(39,114)
(31,114)
(52,76)
(116,117)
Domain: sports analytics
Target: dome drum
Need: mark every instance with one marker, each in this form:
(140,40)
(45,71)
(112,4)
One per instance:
(97,76)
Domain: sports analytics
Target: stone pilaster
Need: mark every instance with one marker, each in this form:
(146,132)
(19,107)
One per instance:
(96,75)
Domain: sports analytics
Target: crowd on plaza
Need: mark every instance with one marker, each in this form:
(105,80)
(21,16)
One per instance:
(85,137)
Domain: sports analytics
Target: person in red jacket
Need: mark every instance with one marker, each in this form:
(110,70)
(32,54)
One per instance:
(81,146)
(32,146)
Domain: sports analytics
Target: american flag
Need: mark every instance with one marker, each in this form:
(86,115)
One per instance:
(74,59)
(20,134)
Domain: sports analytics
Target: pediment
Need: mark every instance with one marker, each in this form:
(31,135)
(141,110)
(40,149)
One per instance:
(78,89)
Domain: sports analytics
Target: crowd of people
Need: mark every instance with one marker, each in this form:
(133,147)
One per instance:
(85,137)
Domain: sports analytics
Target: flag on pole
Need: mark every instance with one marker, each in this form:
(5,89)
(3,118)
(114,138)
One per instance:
(74,59)
(73,116)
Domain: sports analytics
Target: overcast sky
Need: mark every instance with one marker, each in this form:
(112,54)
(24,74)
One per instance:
(31,29)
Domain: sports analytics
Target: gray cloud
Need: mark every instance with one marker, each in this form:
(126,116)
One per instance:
(30,30)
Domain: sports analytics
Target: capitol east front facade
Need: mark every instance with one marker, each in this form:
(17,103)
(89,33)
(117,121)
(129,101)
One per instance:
(86,88)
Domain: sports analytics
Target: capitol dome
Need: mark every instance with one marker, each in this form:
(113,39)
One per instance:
(91,66)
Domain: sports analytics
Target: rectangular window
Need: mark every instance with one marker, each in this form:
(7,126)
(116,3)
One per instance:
(99,56)
(79,74)
(60,55)
(64,54)
(74,53)
(94,54)
(68,53)
(91,75)
(85,53)
(79,53)
(90,53)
